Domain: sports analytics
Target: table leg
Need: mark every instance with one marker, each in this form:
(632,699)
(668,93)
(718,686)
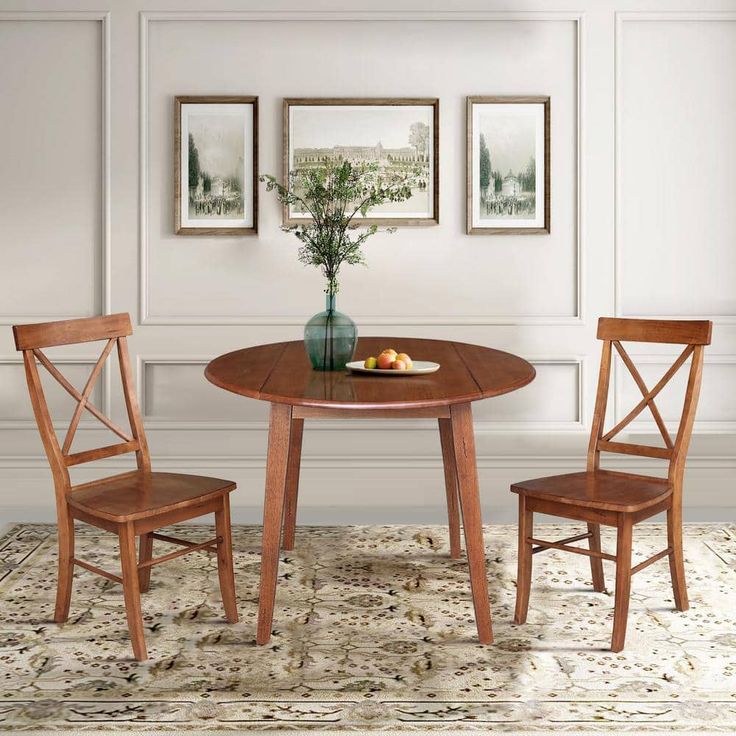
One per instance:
(448,461)
(273,510)
(461,417)
(292,482)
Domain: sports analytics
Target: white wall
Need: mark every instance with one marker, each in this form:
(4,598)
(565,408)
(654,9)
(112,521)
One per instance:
(643,224)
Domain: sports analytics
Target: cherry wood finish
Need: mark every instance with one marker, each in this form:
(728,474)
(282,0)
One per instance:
(71,331)
(616,499)
(451,488)
(676,332)
(132,496)
(292,482)
(605,489)
(282,375)
(273,509)
(132,504)
(467,480)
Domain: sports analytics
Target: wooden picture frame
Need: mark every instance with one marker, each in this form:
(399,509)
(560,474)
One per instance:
(352,107)
(514,207)
(231,188)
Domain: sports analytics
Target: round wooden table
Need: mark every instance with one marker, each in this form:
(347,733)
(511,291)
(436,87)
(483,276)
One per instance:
(281,374)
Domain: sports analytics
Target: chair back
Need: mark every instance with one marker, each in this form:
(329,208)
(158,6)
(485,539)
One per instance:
(694,335)
(114,329)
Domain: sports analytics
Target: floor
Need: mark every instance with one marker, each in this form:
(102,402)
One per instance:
(373,632)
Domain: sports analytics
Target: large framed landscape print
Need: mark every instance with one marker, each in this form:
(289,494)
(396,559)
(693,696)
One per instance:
(216,166)
(399,135)
(508,165)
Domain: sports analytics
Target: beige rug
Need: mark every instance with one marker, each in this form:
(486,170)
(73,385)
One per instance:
(373,632)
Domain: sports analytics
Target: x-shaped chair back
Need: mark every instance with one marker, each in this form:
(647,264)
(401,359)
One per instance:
(30,339)
(694,335)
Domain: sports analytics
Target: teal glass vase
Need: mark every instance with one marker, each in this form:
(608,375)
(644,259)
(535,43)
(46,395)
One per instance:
(330,338)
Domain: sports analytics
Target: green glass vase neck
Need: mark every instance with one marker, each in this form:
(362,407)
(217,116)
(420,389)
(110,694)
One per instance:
(330,301)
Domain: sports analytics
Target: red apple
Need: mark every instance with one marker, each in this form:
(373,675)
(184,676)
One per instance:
(406,359)
(398,365)
(384,360)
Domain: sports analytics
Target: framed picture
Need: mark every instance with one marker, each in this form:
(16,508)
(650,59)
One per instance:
(216,170)
(508,168)
(399,134)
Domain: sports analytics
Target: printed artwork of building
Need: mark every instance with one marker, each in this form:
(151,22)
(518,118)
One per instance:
(304,157)
(511,186)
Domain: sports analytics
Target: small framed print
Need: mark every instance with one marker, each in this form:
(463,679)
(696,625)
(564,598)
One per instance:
(401,135)
(508,165)
(216,170)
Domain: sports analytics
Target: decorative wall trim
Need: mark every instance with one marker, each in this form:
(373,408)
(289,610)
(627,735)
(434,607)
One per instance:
(105,275)
(481,426)
(62,425)
(524,463)
(645,16)
(146,318)
(639,427)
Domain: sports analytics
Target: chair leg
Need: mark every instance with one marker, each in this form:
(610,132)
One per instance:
(145,553)
(524,573)
(623,582)
(677,564)
(131,590)
(66,568)
(453,510)
(273,510)
(467,476)
(292,483)
(596,564)
(225,560)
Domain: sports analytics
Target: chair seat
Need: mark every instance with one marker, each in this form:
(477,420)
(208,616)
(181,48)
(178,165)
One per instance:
(600,489)
(130,496)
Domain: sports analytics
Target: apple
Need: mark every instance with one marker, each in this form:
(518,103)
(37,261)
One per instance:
(370,362)
(385,360)
(399,365)
(406,359)
(389,351)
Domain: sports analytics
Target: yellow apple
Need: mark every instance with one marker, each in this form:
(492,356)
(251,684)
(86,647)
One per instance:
(406,359)
(370,362)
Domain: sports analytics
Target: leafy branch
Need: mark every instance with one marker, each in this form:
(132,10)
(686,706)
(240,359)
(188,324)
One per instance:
(332,195)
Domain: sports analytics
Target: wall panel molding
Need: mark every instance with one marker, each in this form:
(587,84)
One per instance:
(104,385)
(146,18)
(648,426)
(105,275)
(623,17)
(481,426)
(378,462)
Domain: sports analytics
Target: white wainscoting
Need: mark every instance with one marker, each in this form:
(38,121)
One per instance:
(17,412)
(276,38)
(675,103)
(716,407)
(173,394)
(643,114)
(55,190)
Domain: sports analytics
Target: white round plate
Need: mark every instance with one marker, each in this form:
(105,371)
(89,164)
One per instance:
(419,367)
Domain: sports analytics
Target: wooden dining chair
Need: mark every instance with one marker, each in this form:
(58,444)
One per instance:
(132,504)
(613,498)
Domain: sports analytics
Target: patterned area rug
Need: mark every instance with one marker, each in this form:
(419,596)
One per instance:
(373,632)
